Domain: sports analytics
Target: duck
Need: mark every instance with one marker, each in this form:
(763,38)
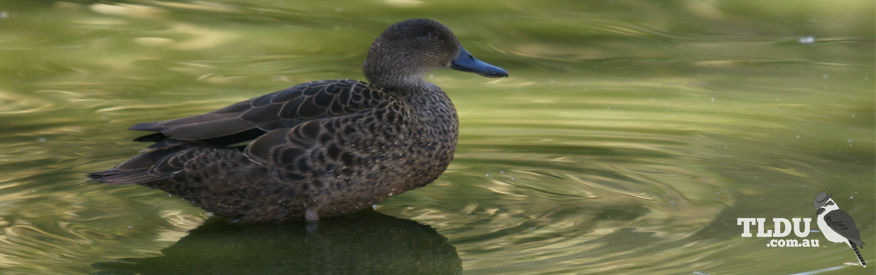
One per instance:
(317,149)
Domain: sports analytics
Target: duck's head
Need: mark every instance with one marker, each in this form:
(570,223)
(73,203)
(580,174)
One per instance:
(409,49)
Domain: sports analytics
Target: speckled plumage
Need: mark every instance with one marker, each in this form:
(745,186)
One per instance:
(317,149)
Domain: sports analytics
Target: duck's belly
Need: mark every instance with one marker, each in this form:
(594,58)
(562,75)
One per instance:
(384,179)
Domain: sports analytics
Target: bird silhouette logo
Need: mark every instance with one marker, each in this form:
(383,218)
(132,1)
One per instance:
(836,225)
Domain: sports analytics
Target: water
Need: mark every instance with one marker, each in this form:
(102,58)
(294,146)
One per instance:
(629,138)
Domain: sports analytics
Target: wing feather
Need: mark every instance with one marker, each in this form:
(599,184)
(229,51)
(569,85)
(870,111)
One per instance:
(278,110)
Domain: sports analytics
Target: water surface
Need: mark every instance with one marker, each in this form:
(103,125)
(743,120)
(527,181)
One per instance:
(629,138)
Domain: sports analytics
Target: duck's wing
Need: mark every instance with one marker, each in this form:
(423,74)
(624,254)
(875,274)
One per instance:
(249,119)
(332,144)
(262,118)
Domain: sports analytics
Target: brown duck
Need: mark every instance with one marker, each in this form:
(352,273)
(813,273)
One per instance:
(317,149)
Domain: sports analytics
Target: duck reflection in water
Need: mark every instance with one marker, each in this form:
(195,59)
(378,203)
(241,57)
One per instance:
(365,242)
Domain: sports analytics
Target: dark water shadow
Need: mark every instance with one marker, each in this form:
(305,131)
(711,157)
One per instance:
(366,242)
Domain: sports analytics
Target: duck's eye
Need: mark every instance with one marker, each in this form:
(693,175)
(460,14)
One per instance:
(431,35)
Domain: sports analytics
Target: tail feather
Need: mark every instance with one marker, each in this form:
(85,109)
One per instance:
(154,137)
(858,253)
(116,176)
(138,170)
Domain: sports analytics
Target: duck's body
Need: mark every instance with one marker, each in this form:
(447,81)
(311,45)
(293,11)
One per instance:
(320,148)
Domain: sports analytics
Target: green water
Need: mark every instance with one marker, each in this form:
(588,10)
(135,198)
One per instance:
(629,138)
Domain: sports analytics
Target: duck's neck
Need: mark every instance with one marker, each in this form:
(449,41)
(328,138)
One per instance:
(423,97)
(402,85)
